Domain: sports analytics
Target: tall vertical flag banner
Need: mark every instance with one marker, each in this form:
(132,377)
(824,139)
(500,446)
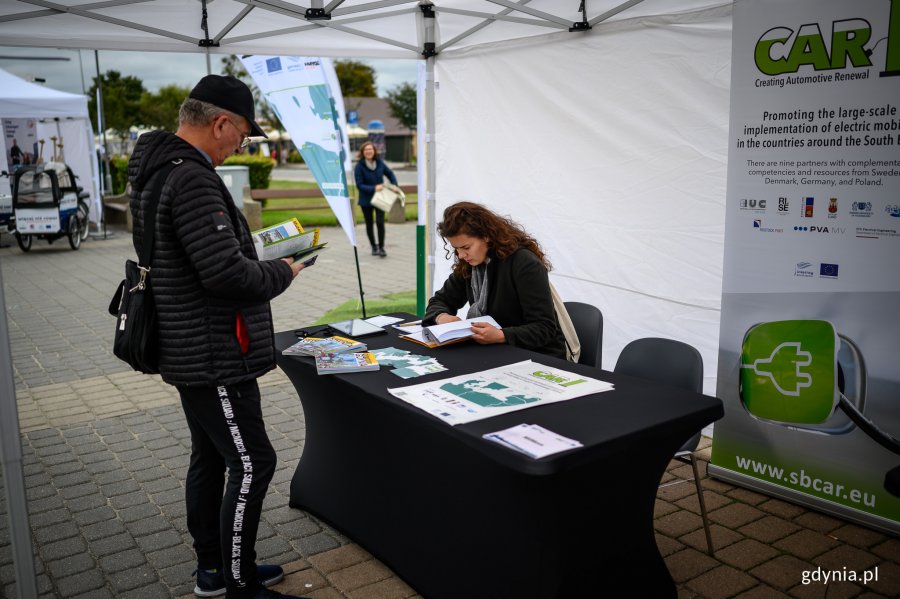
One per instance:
(304,93)
(809,332)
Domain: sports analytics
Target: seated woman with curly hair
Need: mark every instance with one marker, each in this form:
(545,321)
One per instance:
(501,271)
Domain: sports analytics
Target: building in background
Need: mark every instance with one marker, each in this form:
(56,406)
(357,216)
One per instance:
(398,139)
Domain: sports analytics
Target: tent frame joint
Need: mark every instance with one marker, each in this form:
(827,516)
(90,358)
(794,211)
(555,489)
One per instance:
(582,25)
(429,48)
(317,14)
(207,43)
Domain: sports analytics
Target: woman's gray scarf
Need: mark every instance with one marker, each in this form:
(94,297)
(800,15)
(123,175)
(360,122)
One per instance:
(371,164)
(479,282)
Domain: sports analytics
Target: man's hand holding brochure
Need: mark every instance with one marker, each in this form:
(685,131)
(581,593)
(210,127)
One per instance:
(288,240)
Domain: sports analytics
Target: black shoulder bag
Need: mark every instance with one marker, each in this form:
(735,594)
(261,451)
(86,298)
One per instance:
(137,329)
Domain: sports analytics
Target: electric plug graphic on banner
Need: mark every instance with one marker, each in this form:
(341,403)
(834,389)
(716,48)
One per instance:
(789,371)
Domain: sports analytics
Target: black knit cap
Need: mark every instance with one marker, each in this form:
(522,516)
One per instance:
(231,94)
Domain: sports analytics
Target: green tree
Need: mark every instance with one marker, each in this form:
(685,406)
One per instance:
(231,65)
(357,79)
(121,101)
(235,68)
(160,110)
(402,100)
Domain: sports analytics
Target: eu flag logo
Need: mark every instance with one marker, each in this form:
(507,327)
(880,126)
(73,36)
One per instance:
(273,65)
(828,270)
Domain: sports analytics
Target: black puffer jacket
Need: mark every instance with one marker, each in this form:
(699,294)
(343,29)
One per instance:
(212,292)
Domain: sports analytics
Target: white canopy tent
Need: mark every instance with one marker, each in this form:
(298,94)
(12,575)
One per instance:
(59,115)
(606,137)
(603,132)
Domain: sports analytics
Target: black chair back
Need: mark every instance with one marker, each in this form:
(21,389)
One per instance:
(588,321)
(665,361)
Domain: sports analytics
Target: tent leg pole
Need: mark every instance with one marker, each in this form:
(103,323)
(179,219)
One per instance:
(431,165)
(13,476)
(426,182)
(362,294)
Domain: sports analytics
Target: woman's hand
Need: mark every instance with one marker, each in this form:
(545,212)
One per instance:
(379,187)
(485,333)
(445,318)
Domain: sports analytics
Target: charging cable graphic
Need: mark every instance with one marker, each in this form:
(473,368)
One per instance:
(799,373)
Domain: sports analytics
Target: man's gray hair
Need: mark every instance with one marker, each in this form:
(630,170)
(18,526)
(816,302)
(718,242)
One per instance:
(199,113)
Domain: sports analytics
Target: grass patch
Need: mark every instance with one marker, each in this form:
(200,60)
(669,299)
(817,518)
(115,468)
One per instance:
(281,209)
(279,184)
(402,301)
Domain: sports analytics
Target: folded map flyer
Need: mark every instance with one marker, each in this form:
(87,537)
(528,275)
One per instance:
(346,362)
(284,239)
(320,346)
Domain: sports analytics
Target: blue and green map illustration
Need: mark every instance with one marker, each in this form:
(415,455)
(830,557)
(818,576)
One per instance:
(487,394)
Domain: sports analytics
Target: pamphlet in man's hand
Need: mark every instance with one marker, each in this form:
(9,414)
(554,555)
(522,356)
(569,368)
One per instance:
(310,261)
(285,239)
(309,254)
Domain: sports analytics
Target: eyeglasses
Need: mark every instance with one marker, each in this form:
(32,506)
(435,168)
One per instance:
(246,139)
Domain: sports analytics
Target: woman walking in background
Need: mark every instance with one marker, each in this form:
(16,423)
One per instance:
(370,172)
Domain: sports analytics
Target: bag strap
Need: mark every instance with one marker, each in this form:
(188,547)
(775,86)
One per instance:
(570,335)
(149,231)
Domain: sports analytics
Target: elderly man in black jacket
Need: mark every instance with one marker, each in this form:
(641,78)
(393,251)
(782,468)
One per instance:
(215,324)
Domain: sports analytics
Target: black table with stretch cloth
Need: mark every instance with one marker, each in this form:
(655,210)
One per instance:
(458,516)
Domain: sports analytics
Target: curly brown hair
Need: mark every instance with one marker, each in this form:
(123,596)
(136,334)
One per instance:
(503,235)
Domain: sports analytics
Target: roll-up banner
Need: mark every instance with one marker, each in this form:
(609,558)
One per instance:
(809,349)
(300,90)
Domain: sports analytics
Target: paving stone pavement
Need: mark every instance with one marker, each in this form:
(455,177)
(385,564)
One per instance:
(106,450)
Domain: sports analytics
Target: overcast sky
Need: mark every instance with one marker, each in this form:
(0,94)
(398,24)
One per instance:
(155,69)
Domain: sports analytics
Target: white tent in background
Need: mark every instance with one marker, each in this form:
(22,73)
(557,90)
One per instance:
(59,115)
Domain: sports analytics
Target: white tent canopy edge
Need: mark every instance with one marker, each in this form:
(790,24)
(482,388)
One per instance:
(343,28)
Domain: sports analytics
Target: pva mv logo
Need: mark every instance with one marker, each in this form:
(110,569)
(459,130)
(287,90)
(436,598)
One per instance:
(830,230)
(783,50)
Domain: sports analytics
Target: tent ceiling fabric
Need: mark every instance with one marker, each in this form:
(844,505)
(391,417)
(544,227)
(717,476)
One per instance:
(357,28)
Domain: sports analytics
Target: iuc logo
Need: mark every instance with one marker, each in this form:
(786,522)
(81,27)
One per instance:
(783,50)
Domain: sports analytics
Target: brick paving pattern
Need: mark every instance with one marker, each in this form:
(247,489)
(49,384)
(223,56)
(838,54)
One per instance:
(105,452)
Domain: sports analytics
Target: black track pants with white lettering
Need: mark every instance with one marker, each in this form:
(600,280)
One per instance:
(227,431)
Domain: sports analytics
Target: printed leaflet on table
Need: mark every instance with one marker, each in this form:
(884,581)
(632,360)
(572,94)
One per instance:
(471,397)
(533,440)
(346,362)
(383,320)
(318,346)
(409,327)
(407,365)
